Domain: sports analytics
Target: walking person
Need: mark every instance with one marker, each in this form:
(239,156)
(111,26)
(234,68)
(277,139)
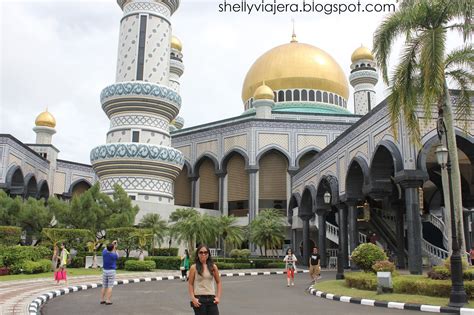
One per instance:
(314,265)
(202,291)
(290,266)
(184,267)
(63,260)
(110,257)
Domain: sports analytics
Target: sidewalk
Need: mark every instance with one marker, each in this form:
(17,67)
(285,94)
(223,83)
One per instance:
(15,296)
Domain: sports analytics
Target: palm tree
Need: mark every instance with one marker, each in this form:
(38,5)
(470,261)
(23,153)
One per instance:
(424,69)
(92,245)
(230,232)
(190,226)
(268,229)
(143,237)
(158,226)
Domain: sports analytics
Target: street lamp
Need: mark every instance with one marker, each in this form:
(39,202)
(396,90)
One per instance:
(327,197)
(458,295)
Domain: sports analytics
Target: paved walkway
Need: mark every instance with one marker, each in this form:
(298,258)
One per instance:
(15,296)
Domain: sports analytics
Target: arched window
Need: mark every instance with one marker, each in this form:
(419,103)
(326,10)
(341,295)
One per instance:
(318,96)
(325,97)
(281,96)
(296,95)
(288,96)
(362,65)
(331,98)
(304,95)
(340,101)
(336,100)
(311,96)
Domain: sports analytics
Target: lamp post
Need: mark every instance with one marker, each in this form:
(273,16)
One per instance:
(327,197)
(458,296)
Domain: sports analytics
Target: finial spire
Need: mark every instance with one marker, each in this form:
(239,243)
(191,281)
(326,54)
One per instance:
(293,36)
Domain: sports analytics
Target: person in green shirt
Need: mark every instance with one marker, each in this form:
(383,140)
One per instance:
(184,267)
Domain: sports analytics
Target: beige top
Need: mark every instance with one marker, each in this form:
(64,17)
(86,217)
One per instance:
(204,285)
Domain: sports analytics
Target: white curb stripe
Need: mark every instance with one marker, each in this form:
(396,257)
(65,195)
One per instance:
(396,305)
(467,311)
(430,308)
(346,299)
(367,302)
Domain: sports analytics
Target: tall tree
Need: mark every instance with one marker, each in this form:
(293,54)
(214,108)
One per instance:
(268,229)
(424,69)
(9,209)
(156,224)
(231,233)
(33,217)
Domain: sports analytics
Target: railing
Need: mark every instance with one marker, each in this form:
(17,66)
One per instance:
(362,238)
(435,253)
(332,232)
(439,223)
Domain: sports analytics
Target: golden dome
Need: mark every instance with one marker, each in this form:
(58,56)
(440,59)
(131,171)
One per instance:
(296,65)
(45,119)
(263,92)
(176,43)
(362,53)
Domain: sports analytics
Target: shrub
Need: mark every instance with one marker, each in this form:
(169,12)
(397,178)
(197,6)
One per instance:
(240,253)
(121,261)
(10,235)
(361,280)
(137,265)
(31,267)
(447,264)
(276,265)
(443,273)
(73,238)
(15,255)
(384,265)
(172,251)
(78,262)
(366,255)
(166,262)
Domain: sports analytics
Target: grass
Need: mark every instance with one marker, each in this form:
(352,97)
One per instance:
(337,287)
(71,272)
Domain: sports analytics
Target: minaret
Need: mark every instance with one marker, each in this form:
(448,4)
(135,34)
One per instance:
(140,105)
(176,71)
(44,128)
(363,78)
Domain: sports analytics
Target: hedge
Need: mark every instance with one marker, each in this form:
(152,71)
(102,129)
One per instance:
(406,284)
(10,235)
(14,255)
(73,238)
(137,265)
(121,261)
(222,265)
(443,273)
(30,267)
(173,251)
(78,262)
(166,262)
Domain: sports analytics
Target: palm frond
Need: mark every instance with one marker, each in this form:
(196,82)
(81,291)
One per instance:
(463,10)
(462,57)
(464,81)
(432,65)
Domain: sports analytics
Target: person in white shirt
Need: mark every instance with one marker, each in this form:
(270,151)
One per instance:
(290,266)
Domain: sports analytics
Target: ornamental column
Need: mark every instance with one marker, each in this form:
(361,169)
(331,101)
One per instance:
(138,155)
(322,236)
(353,231)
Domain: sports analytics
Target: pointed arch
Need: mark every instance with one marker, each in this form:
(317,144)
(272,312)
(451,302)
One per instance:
(308,201)
(230,154)
(43,189)
(201,160)
(357,178)
(78,187)
(31,186)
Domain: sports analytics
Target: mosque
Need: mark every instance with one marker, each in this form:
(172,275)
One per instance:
(338,177)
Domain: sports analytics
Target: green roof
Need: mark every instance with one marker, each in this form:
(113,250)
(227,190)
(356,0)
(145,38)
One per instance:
(307,107)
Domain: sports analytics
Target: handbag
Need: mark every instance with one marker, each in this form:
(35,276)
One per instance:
(181,268)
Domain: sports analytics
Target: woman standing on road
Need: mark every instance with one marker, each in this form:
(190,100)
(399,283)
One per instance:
(290,266)
(202,291)
(184,267)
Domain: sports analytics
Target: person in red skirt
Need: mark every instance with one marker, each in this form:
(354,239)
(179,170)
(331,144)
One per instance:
(61,272)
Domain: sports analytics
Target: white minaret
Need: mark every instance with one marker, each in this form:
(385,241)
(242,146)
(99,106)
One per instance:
(44,127)
(263,101)
(363,78)
(140,105)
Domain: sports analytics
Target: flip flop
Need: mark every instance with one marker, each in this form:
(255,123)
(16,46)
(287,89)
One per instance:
(108,303)
(102,302)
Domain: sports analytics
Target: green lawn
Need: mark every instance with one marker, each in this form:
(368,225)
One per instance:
(337,287)
(71,272)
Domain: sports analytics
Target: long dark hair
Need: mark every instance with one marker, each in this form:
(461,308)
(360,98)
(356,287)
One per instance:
(209,262)
(186,253)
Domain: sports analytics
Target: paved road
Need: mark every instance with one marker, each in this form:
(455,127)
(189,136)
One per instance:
(241,295)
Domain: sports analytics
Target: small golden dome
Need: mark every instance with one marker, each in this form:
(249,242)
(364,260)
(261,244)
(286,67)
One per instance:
(296,66)
(45,119)
(176,43)
(263,92)
(362,53)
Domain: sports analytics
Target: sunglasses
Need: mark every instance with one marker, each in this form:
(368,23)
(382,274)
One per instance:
(203,253)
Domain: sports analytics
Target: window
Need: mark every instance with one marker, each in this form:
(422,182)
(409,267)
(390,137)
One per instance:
(135,136)
(304,95)
(296,95)
(141,47)
(281,96)
(325,97)
(318,96)
(288,96)
(311,96)
(331,99)
(133,197)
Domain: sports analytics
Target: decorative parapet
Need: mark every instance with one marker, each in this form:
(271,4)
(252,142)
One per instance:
(171,4)
(140,89)
(137,151)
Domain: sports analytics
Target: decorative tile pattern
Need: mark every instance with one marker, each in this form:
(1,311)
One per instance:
(305,141)
(144,184)
(137,7)
(127,54)
(209,146)
(363,148)
(379,137)
(138,120)
(157,55)
(186,150)
(140,89)
(137,151)
(239,141)
(278,139)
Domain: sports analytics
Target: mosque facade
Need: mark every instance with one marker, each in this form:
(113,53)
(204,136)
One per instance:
(340,178)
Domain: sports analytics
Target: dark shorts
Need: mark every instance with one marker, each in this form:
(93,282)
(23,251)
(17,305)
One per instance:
(208,307)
